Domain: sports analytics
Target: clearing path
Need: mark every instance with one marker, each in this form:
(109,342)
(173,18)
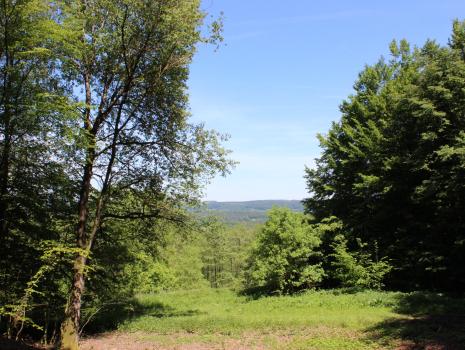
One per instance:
(313,339)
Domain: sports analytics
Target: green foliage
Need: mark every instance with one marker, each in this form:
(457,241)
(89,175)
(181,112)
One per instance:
(32,309)
(94,116)
(146,256)
(224,250)
(392,167)
(357,269)
(182,259)
(35,113)
(285,257)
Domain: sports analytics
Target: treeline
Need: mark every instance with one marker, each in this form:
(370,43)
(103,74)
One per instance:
(98,158)
(387,195)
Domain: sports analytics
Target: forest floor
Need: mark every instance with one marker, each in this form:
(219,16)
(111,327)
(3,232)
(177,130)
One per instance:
(323,320)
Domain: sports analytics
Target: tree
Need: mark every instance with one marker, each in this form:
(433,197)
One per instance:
(33,183)
(127,64)
(216,253)
(224,250)
(389,168)
(285,257)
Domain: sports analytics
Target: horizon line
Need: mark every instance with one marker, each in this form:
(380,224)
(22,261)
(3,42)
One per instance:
(251,200)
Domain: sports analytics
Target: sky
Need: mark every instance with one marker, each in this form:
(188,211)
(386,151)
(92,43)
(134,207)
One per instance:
(282,72)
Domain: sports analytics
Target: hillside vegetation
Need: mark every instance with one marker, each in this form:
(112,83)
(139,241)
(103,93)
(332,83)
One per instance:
(247,211)
(102,171)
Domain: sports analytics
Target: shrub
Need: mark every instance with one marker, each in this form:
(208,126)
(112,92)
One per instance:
(284,258)
(357,269)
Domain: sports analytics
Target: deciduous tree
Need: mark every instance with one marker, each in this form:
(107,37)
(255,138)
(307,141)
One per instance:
(390,167)
(127,63)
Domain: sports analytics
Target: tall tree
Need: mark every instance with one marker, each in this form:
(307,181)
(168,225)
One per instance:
(390,167)
(24,79)
(33,112)
(127,63)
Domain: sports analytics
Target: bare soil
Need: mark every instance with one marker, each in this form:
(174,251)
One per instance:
(140,341)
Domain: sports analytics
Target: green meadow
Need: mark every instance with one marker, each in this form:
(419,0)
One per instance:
(334,319)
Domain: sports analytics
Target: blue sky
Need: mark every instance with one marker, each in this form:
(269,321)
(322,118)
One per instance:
(283,71)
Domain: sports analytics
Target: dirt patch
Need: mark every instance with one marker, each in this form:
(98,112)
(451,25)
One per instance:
(192,341)
(181,341)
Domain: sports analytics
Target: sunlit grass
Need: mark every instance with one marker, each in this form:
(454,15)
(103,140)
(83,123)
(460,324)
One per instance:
(313,320)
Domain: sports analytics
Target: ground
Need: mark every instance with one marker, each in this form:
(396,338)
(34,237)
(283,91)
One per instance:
(318,338)
(328,320)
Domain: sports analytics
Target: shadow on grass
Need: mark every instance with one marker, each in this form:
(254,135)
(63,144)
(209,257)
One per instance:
(431,322)
(111,316)
(254,293)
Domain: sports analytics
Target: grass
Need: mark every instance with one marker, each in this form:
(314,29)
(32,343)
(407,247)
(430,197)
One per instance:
(325,320)
(314,320)
(222,311)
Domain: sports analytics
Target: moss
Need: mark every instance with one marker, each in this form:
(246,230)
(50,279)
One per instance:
(69,336)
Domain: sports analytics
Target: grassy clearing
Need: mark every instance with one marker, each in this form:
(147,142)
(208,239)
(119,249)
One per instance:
(222,311)
(325,320)
(320,320)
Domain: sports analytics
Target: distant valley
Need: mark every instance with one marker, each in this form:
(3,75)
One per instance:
(247,211)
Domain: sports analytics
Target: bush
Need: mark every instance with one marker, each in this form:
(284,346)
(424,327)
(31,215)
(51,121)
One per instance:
(357,269)
(284,258)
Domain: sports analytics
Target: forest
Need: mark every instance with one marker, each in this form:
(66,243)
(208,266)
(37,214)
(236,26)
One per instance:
(102,172)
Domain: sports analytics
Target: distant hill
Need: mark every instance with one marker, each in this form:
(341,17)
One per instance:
(247,211)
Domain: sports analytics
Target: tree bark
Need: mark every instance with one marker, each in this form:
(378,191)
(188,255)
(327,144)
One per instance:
(70,325)
(69,339)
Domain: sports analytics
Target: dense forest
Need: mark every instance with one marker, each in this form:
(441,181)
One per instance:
(392,168)
(102,172)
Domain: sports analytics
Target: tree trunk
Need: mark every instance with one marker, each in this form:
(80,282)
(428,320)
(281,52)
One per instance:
(70,326)
(69,339)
